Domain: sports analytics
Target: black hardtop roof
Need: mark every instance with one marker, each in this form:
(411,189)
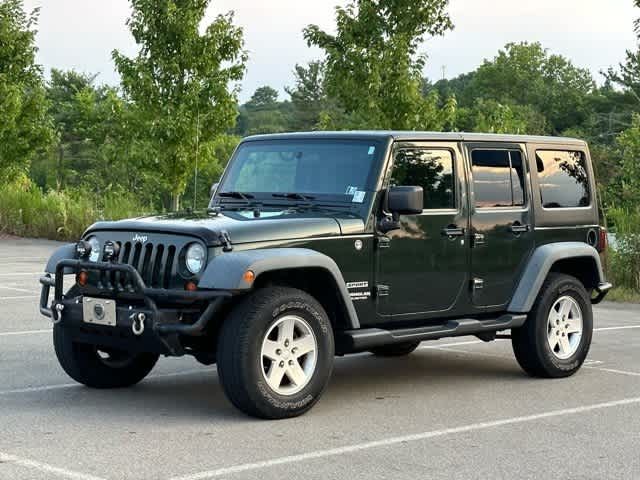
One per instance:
(417,136)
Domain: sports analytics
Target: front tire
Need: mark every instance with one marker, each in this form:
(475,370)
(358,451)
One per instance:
(275,353)
(100,368)
(555,339)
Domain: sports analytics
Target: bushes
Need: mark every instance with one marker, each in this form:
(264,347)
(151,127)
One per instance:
(25,210)
(624,256)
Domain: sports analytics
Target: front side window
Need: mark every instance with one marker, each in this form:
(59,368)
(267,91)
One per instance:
(564,182)
(498,178)
(330,168)
(431,169)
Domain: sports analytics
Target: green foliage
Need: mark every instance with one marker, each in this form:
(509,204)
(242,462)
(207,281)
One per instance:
(26,211)
(263,114)
(178,83)
(527,74)
(491,116)
(25,127)
(373,69)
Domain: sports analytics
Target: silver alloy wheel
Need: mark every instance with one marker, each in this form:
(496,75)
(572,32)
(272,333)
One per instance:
(289,354)
(564,327)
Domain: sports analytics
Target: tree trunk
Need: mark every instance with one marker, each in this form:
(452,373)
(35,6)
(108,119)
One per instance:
(175,202)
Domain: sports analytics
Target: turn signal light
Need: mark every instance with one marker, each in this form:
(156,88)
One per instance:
(190,286)
(249,277)
(82,278)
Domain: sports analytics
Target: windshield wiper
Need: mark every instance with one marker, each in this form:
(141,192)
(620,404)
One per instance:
(293,196)
(242,196)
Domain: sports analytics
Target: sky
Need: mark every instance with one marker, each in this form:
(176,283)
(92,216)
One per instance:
(594,34)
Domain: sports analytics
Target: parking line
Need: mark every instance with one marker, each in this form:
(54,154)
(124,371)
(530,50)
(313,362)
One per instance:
(60,386)
(613,370)
(25,332)
(16,289)
(45,467)
(19,297)
(606,329)
(403,439)
(20,274)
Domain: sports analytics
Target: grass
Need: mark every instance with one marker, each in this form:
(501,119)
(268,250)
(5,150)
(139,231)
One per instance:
(27,211)
(623,294)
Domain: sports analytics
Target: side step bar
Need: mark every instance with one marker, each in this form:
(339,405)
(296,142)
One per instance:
(350,341)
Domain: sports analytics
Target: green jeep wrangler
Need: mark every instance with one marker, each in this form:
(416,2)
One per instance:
(323,244)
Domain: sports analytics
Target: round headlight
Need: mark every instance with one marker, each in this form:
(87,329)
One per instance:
(195,258)
(94,255)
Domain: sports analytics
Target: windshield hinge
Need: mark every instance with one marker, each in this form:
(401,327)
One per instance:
(225,240)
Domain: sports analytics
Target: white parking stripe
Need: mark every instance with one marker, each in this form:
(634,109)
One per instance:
(24,332)
(613,370)
(60,386)
(45,467)
(19,297)
(606,329)
(20,274)
(403,439)
(16,289)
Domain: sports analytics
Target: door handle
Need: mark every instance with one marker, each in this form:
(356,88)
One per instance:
(518,228)
(453,231)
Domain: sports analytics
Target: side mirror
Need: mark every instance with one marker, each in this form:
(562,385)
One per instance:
(401,201)
(213,189)
(405,200)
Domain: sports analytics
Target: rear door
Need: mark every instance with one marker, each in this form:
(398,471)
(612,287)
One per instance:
(501,221)
(423,267)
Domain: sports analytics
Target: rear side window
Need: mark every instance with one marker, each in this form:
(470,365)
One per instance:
(431,169)
(564,182)
(498,178)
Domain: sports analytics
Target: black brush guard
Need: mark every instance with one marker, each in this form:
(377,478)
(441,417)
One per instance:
(166,327)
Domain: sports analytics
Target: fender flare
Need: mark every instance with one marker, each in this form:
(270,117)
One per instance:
(64,252)
(539,266)
(226,271)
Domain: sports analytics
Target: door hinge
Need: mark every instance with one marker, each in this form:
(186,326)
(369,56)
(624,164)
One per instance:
(477,284)
(478,239)
(384,242)
(382,290)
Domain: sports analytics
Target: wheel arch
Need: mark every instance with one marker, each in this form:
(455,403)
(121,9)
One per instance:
(305,269)
(572,258)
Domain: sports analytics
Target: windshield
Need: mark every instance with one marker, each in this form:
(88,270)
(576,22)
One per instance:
(340,170)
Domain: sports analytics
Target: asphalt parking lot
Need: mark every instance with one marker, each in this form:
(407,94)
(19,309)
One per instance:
(456,408)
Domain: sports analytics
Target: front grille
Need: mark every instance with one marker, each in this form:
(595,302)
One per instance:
(156,260)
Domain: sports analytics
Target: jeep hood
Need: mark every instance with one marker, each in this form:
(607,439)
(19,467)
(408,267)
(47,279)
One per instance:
(242,226)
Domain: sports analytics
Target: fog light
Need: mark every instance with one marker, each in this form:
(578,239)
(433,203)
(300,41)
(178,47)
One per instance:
(82,278)
(190,286)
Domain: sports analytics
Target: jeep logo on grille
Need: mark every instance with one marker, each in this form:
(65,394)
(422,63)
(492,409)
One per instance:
(139,238)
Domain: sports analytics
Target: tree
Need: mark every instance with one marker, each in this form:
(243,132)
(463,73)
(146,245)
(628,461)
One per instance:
(527,74)
(263,114)
(179,82)
(373,68)
(263,98)
(25,127)
(309,96)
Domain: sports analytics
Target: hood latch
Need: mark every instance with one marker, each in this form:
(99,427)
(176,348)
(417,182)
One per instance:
(225,240)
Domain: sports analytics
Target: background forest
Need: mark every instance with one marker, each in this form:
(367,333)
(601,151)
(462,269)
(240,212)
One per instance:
(73,151)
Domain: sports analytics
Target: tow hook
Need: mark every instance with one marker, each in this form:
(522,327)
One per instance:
(57,313)
(137,325)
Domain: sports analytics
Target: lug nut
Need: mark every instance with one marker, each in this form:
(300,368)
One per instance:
(290,362)
(294,350)
(278,351)
(286,343)
(281,364)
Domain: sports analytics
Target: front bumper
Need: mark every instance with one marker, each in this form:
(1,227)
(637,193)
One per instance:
(140,324)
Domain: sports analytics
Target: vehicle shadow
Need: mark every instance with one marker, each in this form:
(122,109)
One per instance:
(199,396)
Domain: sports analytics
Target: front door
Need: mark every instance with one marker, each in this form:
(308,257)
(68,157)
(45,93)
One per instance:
(501,221)
(423,266)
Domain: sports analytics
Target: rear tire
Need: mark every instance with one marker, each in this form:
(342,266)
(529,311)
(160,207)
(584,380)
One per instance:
(97,368)
(395,350)
(555,339)
(262,364)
